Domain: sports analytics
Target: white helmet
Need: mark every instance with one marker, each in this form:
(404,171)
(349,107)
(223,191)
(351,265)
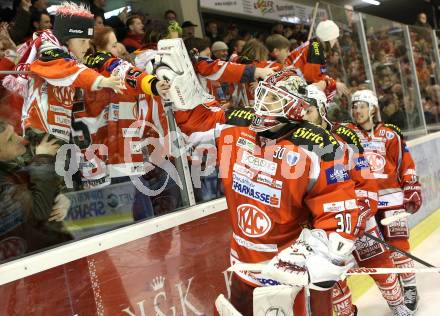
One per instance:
(327,31)
(368,97)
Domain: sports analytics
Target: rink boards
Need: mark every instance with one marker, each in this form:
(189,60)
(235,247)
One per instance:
(171,265)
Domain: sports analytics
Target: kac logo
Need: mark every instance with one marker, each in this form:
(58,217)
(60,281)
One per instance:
(252,221)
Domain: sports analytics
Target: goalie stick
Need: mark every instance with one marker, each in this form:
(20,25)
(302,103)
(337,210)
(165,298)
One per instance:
(258,267)
(403,252)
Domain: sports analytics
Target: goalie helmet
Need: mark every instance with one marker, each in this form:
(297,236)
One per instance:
(368,97)
(280,98)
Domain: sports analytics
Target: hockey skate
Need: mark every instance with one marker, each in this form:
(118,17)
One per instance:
(411,298)
(401,310)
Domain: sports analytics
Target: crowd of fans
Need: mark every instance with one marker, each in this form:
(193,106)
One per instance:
(135,32)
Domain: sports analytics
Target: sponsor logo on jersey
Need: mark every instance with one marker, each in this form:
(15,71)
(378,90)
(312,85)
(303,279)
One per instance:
(376,161)
(246,144)
(131,132)
(259,164)
(342,130)
(336,174)
(113,112)
(243,171)
(241,114)
(361,163)
(253,246)
(60,109)
(269,181)
(382,203)
(252,221)
(317,138)
(292,158)
(315,46)
(267,282)
(64,120)
(373,146)
(389,135)
(61,132)
(333,207)
(350,204)
(256,191)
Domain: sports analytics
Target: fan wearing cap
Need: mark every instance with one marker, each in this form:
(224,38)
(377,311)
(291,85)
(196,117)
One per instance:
(188,29)
(279,175)
(394,170)
(220,50)
(310,59)
(54,60)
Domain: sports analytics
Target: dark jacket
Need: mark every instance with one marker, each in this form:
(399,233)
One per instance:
(27,196)
(22,26)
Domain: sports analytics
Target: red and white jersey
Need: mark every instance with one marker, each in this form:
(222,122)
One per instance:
(217,75)
(389,160)
(357,164)
(309,60)
(52,88)
(116,121)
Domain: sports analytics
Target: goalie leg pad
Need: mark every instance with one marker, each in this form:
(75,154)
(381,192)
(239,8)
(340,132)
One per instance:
(275,300)
(225,308)
(341,300)
(402,261)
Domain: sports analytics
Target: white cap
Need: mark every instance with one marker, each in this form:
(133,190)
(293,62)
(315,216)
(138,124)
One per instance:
(219,45)
(327,30)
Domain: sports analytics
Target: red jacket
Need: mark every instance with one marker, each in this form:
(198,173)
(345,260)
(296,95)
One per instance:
(309,60)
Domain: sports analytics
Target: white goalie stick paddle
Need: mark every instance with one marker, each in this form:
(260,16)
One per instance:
(388,220)
(258,267)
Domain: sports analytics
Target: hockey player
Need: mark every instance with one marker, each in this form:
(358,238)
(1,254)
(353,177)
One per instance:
(280,175)
(368,253)
(309,59)
(394,170)
(54,59)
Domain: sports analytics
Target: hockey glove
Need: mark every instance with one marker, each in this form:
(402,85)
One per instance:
(412,197)
(364,214)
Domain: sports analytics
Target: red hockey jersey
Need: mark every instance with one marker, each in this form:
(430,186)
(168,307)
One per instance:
(309,60)
(390,162)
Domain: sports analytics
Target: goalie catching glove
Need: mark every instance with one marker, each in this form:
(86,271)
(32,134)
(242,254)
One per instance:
(314,260)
